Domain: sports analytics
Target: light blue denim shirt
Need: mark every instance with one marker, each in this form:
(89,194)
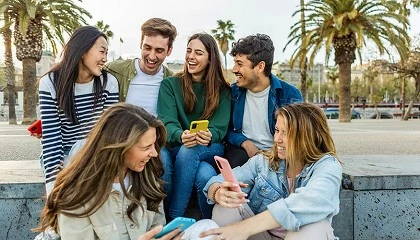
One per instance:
(316,195)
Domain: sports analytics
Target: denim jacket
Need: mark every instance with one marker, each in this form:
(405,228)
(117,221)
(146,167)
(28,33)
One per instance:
(281,93)
(316,195)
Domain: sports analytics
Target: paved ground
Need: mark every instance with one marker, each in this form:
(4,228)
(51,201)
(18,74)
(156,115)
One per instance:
(360,137)
(377,137)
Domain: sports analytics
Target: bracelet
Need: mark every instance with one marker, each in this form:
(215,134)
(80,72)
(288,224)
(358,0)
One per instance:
(213,196)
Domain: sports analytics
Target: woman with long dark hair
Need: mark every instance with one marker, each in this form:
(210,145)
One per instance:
(200,92)
(72,96)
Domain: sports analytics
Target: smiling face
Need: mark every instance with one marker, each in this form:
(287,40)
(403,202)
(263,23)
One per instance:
(197,58)
(154,50)
(280,137)
(140,153)
(94,59)
(246,75)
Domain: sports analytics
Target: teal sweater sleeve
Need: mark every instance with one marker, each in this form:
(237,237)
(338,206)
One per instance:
(171,111)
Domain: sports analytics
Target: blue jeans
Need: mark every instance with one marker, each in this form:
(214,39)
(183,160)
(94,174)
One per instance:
(186,168)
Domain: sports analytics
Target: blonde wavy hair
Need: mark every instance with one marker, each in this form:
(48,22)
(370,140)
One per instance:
(308,137)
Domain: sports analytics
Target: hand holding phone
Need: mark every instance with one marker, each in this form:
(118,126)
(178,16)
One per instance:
(226,170)
(36,127)
(198,125)
(179,222)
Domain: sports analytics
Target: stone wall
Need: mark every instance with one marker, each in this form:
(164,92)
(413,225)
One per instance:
(379,199)
(21,198)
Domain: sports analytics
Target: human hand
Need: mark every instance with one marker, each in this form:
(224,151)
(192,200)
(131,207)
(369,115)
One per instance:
(250,148)
(188,139)
(175,234)
(231,199)
(203,137)
(39,136)
(230,232)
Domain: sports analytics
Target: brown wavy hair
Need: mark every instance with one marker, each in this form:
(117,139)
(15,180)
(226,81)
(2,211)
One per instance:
(213,78)
(90,176)
(308,137)
(159,26)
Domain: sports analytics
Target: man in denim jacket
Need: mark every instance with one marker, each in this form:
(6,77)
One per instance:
(256,95)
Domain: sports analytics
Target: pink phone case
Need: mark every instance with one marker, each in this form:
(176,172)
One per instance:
(226,170)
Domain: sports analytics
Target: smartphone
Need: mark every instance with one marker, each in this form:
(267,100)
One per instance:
(179,222)
(226,170)
(36,127)
(198,125)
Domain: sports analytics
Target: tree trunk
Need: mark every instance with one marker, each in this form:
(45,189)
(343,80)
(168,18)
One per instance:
(303,81)
(344,100)
(403,99)
(224,47)
(9,72)
(406,115)
(11,91)
(29,91)
(304,68)
(414,98)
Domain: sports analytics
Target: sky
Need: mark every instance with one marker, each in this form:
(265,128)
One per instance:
(271,17)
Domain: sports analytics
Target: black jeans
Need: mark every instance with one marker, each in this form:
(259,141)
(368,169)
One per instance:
(236,156)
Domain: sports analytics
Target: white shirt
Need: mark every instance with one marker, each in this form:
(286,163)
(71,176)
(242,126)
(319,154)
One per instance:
(144,89)
(255,124)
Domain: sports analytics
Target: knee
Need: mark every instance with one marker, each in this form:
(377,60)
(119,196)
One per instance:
(317,231)
(204,173)
(166,158)
(187,153)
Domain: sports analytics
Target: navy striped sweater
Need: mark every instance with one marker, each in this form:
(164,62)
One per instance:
(58,132)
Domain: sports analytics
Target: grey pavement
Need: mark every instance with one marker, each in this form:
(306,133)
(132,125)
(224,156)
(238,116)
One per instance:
(376,137)
(360,137)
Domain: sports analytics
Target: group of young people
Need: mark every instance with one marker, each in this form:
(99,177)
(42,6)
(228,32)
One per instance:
(135,165)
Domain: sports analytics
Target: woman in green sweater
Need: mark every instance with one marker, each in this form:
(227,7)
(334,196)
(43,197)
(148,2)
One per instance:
(200,92)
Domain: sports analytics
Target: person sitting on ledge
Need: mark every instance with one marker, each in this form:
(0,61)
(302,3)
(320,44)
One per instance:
(292,191)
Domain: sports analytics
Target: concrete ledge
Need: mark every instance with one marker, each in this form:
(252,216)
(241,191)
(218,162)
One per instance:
(21,198)
(369,172)
(379,198)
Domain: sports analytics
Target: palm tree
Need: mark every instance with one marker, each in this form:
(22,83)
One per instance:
(105,29)
(303,64)
(332,76)
(414,3)
(345,25)
(10,68)
(32,19)
(223,34)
